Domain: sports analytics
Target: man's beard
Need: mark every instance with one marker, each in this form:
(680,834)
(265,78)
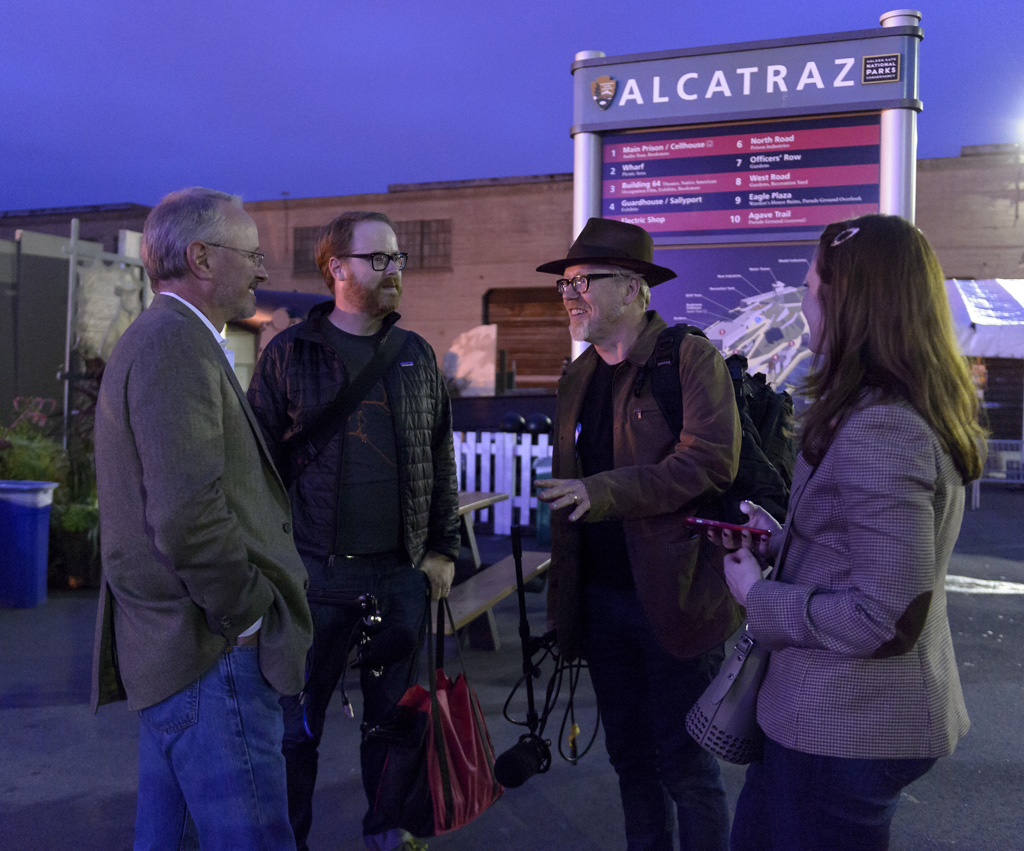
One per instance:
(375,301)
(579,329)
(595,329)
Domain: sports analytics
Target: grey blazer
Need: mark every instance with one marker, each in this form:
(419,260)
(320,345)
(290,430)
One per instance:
(862,663)
(195,525)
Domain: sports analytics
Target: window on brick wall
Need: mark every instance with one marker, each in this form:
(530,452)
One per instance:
(428,243)
(304,251)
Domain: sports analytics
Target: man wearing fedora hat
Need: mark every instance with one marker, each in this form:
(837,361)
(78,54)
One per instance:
(631,590)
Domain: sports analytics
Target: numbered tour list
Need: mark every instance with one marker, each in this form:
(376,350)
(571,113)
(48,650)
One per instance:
(787,178)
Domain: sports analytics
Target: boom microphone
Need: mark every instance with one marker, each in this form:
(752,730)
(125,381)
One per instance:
(530,755)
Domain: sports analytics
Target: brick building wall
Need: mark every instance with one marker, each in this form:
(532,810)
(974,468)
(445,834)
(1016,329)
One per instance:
(970,208)
(500,231)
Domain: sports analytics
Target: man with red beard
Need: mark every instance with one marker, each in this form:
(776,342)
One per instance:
(358,420)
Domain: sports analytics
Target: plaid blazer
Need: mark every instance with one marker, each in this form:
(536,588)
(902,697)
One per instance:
(862,663)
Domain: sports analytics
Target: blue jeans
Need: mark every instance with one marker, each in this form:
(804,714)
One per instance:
(644,693)
(402,593)
(795,801)
(210,764)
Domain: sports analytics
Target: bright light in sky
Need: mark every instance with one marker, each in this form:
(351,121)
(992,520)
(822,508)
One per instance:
(107,101)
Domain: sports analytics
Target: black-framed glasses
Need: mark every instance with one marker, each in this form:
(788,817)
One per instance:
(255,257)
(581,283)
(379,259)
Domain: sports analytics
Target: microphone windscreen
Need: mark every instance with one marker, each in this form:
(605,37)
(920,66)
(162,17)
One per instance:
(390,645)
(518,764)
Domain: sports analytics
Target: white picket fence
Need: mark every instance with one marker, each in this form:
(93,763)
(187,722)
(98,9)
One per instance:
(502,462)
(1003,463)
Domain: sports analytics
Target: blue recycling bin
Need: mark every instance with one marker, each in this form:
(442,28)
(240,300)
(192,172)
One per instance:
(24,542)
(542,470)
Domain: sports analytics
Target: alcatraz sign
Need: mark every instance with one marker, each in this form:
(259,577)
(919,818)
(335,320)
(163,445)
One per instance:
(863,70)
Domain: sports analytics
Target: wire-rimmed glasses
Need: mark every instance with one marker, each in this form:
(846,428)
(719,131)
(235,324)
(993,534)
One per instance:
(254,257)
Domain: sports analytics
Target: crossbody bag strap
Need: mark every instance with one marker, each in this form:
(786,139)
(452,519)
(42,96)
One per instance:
(327,425)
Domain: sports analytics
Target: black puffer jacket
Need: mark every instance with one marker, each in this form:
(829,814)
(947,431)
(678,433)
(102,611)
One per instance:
(299,374)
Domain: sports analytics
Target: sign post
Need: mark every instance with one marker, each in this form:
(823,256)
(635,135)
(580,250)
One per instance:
(898,187)
(735,158)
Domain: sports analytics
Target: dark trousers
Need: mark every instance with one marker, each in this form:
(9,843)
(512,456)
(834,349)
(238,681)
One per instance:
(643,694)
(795,801)
(402,592)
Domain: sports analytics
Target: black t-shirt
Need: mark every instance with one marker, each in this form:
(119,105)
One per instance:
(605,559)
(369,511)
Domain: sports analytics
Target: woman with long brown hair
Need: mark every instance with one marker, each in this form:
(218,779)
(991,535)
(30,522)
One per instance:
(861,695)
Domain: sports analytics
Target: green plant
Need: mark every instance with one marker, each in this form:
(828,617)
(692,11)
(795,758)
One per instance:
(74,545)
(28,449)
(84,386)
(31,451)
(79,517)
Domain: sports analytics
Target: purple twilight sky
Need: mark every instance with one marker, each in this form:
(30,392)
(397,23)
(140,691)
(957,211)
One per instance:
(109,101)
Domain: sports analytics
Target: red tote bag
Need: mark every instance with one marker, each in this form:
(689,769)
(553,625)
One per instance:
(460,756)
(439,774)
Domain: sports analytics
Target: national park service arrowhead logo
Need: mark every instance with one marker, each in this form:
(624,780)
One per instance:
(603,90)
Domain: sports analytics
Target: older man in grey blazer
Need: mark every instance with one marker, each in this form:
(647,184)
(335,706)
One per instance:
(203,621)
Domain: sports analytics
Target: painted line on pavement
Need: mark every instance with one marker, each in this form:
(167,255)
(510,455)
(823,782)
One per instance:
(970,585)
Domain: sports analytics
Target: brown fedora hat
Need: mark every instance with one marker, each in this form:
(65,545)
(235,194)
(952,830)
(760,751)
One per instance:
(613,243)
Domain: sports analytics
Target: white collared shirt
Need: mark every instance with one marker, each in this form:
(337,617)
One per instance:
(222,341)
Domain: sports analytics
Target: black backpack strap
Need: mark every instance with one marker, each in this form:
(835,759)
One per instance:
(766,445)
(315,438)
(663,368)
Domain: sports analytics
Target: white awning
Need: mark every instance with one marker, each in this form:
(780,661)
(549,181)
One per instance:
(988,316)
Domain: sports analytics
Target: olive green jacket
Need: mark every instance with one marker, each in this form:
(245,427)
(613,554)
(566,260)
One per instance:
(195,525)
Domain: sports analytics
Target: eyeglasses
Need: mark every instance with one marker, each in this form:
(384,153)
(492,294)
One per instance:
(379,259)
(581,283)
(255,257)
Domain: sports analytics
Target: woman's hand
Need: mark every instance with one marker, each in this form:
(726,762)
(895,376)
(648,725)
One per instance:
(742,570)
(757,518)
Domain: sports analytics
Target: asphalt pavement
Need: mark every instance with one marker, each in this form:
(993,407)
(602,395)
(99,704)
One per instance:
(68,777)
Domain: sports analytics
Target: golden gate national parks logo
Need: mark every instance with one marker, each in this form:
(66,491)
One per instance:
(880,69)
(603,90)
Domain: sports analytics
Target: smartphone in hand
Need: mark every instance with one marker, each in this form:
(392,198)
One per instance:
(703,522)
